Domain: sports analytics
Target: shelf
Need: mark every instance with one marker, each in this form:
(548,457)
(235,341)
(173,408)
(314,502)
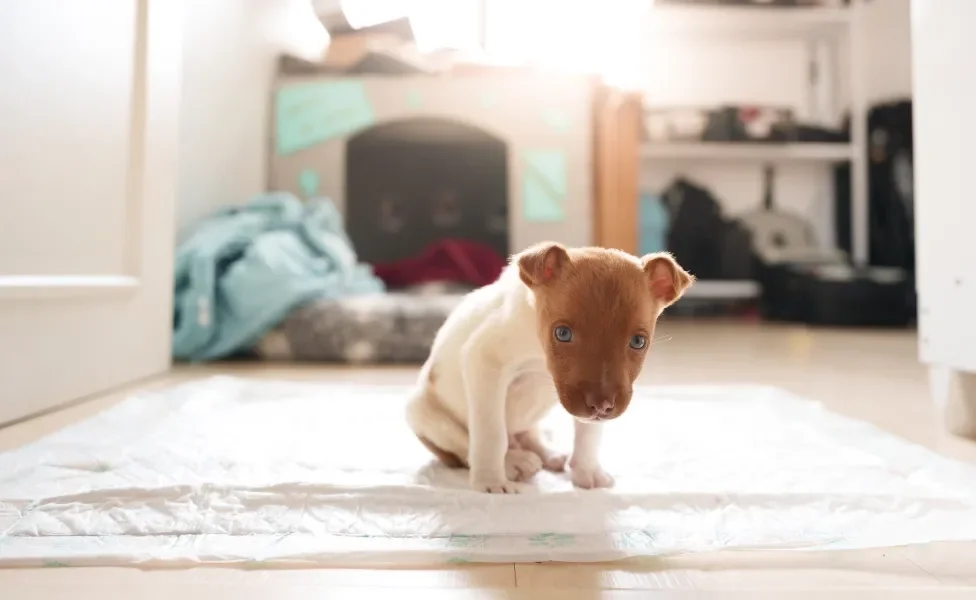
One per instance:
(758,152)
(723,290)
(667,19)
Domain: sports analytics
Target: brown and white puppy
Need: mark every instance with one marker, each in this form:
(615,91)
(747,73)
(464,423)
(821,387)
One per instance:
(571,326)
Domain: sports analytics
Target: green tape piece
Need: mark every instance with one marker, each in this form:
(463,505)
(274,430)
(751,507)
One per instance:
(544,185)
(552,540)
(308,182)
(466,541)
(311,113)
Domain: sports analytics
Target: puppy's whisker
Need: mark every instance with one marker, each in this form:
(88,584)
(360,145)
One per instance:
(660,340)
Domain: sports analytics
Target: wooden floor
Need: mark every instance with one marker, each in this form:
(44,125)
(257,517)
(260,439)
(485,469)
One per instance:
(873,376)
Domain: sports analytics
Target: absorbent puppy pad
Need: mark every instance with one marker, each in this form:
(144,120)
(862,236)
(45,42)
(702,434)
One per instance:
(228,470)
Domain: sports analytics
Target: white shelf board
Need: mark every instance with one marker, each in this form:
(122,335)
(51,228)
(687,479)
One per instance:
(665,19)
(751,151)
(723,290)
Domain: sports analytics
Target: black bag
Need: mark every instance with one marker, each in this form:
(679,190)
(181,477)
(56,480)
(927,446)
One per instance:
(701,239)
(890,177)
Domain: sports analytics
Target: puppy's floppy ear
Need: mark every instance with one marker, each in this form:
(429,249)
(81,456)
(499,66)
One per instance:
(542,263)
(667,279)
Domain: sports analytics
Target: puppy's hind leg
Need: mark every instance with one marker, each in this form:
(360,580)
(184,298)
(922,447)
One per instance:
(438,430)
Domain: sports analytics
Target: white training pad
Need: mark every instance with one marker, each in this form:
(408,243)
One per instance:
(229,470)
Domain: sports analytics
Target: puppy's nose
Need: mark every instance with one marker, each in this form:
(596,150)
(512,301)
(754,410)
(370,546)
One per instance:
(600,404)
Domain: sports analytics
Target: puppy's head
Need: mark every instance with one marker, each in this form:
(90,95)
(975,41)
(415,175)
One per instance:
(596,311)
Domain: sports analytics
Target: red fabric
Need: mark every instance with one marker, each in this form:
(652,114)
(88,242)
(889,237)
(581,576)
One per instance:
(457,261)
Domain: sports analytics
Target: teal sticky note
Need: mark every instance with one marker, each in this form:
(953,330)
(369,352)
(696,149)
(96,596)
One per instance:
(414,99)
(308,182)
(309,113)
(544,185)
(557,120)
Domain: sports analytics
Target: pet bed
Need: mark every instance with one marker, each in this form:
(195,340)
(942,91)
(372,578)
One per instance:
(397,327)
(268,473)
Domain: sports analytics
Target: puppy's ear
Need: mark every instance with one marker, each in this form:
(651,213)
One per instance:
(667,279)
(542,263)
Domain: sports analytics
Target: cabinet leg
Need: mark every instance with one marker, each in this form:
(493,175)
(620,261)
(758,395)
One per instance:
(954,395)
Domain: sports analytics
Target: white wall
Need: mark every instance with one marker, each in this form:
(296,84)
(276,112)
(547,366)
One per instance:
(888,51)
(230,53)
(771,72)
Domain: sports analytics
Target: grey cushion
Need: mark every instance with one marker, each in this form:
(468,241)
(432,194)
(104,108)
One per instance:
(384,328)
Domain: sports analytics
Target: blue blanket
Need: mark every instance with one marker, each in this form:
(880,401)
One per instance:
(245,268)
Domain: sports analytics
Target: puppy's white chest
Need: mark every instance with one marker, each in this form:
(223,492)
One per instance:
(530,396)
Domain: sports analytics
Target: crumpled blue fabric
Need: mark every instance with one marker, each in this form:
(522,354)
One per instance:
(245,268)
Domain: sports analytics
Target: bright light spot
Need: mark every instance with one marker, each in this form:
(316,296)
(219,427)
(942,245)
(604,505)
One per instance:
(601,38)
(570,36)
(440,24)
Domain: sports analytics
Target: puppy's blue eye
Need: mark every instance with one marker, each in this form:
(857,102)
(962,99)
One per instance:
(563,334)
(637,342)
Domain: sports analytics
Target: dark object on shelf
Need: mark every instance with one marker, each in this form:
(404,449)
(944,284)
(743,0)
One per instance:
(802,282)
(891,200)
(724,125)
(813,134)
(701,238)
(746,123)
(837,295)
(794,271)
(780,237)
(750,124)
(891,203)
(675,124)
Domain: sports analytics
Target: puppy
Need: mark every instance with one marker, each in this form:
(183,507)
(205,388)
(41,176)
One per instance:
(571,326)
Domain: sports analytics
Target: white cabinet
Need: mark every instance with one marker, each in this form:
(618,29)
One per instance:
(944,66)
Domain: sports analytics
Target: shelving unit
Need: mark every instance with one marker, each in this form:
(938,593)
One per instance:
(751,152)
(762,21)
(821,28)
(717,289)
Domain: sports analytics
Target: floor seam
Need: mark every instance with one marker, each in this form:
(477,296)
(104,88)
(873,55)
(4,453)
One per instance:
(922,569)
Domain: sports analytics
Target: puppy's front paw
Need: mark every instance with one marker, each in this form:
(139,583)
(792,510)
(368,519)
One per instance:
(590,478)
(521,465)
(494,487)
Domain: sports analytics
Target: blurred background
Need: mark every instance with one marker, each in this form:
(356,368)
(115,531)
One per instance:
(322,180)
(766,143)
